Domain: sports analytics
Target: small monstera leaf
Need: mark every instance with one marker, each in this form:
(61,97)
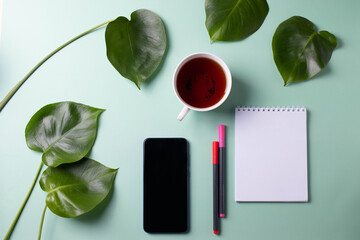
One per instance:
(65,132)
(76,188)
(232,20)
(135,48)
(299,51)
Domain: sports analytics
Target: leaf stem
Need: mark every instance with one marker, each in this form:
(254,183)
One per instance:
(18,85)
(23,204)
(42,222)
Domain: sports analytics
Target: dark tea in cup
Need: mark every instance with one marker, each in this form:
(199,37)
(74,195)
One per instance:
(201,82)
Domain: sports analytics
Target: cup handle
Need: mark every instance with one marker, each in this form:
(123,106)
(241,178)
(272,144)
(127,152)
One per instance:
(183,113)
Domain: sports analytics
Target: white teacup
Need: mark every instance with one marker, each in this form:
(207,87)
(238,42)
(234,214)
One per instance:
(215,84)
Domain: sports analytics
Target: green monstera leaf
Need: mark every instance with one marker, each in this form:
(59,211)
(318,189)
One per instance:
(65,132)
(232,20)
(76,188)
(135,48)
(299,51)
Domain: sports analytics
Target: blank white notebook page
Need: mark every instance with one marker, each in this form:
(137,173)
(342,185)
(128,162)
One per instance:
(271,155)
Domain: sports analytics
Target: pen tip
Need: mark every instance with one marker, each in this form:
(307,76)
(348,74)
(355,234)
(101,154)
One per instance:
(216,232)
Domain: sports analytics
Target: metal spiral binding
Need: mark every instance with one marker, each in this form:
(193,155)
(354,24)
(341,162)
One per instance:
(271,109)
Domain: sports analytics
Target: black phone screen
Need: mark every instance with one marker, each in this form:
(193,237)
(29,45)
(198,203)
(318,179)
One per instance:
(165,185)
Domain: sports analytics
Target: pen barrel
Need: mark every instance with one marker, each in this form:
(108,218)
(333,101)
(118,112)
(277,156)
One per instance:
(221,181)
(215,197)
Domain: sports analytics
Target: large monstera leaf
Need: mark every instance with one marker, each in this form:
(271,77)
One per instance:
(232,20)
(299,51)
(76,188)
(65,132)
(135,48)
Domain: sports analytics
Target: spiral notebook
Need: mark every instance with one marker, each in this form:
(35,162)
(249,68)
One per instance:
(271,155)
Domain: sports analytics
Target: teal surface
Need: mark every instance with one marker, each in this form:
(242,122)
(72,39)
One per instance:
(81,73)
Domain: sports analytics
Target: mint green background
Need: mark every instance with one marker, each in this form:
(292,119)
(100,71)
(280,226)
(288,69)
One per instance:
(81,73)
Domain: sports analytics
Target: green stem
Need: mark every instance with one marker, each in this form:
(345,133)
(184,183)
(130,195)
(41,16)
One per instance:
(18,85)
(42,222)
(23,204)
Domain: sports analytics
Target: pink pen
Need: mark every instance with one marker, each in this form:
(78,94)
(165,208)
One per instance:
(221,170)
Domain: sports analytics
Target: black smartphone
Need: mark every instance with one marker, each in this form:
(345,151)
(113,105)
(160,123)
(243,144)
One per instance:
(165,185)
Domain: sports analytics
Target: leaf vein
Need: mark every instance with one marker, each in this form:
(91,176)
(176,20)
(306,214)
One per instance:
(227,16)
(131,48)
(80,183)
(65,186)
(64,134)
